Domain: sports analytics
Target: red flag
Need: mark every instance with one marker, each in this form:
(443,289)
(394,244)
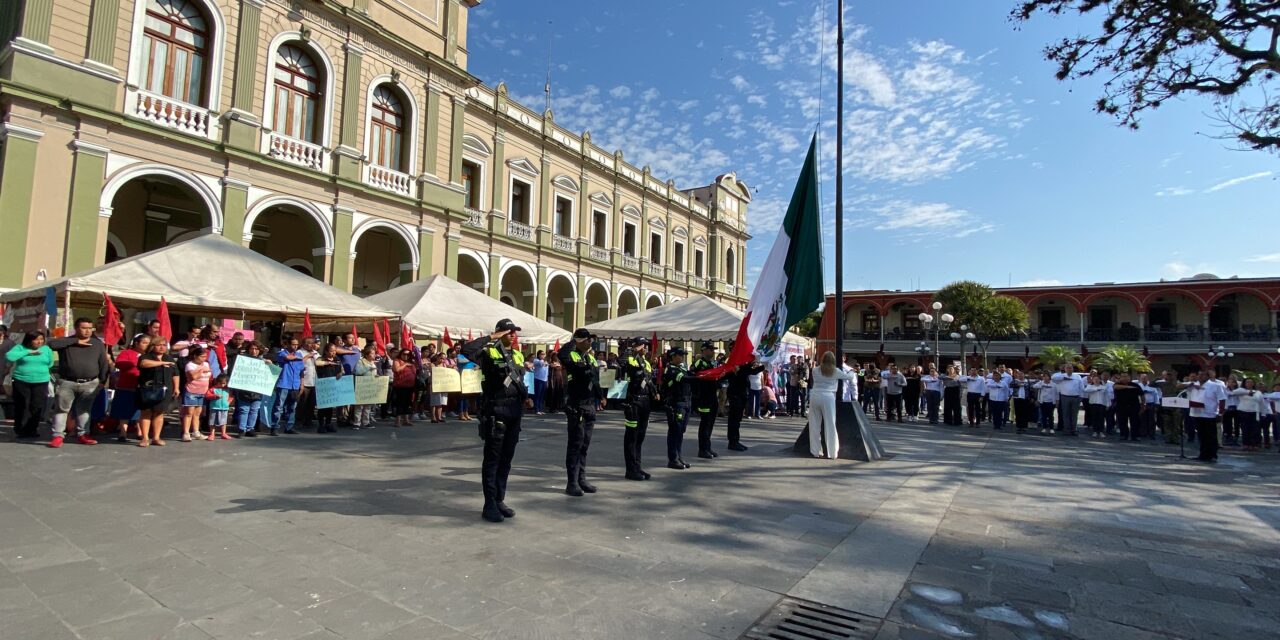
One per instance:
(557,347)
(469,338)
(306,324)
(653,344)
(386,331)
(355,333)
(162,314)
(406,337)
(515,342)
(448,342)
(377,337)
(653,355)
(741,354)
(111,331)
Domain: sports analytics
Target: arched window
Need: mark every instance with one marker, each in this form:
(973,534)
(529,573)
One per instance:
(386,126)
(175,50)
(298,91)
(730,268)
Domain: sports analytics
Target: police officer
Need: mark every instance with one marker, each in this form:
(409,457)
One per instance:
(501,406)
(638,372)
(739,385)
(706,400)
(677,391)
(582,397)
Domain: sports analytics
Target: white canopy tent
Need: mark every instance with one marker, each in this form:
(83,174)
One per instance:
(432,304)
(693,319)
(207,276)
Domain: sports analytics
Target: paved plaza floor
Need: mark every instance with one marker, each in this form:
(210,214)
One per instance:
(964,533)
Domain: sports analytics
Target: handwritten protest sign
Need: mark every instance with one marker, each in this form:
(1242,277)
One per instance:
(528,381)
(619,391)
(445,380)
(335,392)
(371,389)
(471,381)
(252,374)
(608,377)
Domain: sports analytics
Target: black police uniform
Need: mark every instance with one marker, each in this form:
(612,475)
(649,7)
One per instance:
(706,402)
(638,373)
(501,407)
(582,396)
(739,385)
(677,393)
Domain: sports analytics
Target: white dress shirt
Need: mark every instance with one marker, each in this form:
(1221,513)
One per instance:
(974,384)
(1071,385)
(998,390)
(1208,394)
(1048,392)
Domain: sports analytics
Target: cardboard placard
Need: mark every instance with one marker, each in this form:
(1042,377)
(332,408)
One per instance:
(445,380)
(1175,402)
(528,381)
(471,379)
(619,390)
(608,377)
(335,392)
(372,389)
(252,374)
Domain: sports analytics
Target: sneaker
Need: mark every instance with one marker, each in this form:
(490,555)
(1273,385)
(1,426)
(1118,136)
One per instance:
(55,442)
(199,436)
(85,440)
(186,437)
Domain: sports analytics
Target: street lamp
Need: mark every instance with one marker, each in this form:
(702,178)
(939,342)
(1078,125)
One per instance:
(923,350)
(944,322)
(1220,352)
(962,335)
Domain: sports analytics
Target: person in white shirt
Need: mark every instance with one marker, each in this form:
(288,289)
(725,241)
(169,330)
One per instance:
(1249,402)
(1231,415)
(1111,401)
(932,393)
(1024,400)
(892,382)
(1274,419)
(998,398)
(1096,410)
(1151,400)
(975,388)
(1047,396)
(1207,401)
(1070,390)
(1170,419)
(822,407)
(850,390)
(307,394)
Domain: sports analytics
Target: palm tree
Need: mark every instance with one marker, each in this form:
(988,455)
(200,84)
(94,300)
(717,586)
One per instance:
(1264,379)
(1053,357)
(1122,358)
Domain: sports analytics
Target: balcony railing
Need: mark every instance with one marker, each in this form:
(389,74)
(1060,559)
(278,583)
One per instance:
(391,180)
(599,254)
(561,243)
(295,151)
(655,270)
(679,277)
(171,113)
(475,218)
(519,231)
(698,282)
(1124,335)
(631,263)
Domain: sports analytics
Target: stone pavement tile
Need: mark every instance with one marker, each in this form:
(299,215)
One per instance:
(191,591)
(727,617)
(425,629)
(21,529)
(610,559)
(159,624)
(100,603)
(70,576)
(1205,592)
(517,624)
(260,617)
(359,616)
(1087,627)
(452,604)
(299,592)
(1198,576)
(896,631)
(540,597)
(613,621)
(966,582)
(1202,611)
(35,623)
(16,597)
(1226,630)
(47,553)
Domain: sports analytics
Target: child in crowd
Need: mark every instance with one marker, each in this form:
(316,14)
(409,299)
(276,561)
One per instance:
(438,400)
(197,374)
(219,407)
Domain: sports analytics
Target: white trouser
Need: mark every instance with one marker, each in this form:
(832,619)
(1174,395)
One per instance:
(822,416)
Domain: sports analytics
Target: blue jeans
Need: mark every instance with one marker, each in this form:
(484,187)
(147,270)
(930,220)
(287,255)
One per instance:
(247,411)
(539,393)
(286,405)
(753,403)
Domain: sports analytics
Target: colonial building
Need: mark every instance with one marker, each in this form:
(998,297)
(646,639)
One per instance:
(344,138)
(1177,323)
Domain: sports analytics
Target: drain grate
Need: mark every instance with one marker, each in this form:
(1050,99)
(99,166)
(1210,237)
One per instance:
(794,619)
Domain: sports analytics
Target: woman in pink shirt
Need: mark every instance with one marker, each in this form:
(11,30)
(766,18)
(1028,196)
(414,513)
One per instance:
(197,375)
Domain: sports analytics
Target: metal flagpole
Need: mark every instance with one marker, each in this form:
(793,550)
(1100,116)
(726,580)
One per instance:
(839,302)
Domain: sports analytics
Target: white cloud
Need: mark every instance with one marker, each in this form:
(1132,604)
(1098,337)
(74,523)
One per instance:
(649,95)
(740,83)
(1175,269)
(686,105)
(1269,258)
(1174,192)
(620,91)
(1039,282)
(757,100)
(1235,181)
(920,220)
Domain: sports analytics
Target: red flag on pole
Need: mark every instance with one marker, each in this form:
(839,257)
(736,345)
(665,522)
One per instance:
(515,342)
(653,344)
(162,314)
(742,353)
(111,331)
(306,324)
(386,332)
(448,341)
(469,338)
(653,355)
(355,333)
(557,347)
(377,338)
(406,337)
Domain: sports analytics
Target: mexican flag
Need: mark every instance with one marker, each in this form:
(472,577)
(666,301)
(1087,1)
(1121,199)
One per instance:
(790,285)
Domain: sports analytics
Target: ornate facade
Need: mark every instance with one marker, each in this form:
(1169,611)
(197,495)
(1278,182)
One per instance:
(344,138)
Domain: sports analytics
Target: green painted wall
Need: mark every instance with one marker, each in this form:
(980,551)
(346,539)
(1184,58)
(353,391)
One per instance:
(246,57)
(17,180)
(235,203)
(342,250)
(82,218)
(103,24)
(426,254)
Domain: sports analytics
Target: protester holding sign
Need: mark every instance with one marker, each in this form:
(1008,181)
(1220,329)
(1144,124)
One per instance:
(366,369)
(404,378)
(251,378)
(328,366)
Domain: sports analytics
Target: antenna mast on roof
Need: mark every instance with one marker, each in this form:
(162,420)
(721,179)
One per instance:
(546,88)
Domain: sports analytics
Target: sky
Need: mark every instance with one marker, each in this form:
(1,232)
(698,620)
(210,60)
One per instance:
(964,157)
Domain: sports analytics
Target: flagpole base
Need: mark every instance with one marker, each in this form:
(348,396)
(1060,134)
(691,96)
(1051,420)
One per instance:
(857,440)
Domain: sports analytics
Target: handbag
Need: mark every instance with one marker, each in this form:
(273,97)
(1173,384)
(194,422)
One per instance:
(151,393)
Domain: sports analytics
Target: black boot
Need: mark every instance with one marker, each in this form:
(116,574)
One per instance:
(634,475)
(645,474)
(586,487)
(706,454)
(573,488)
(491,512)
(737,446)
(507,512)
(675,464)
(683,463)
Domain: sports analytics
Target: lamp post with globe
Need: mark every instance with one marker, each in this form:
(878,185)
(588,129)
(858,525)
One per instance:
(928,322)
(962,335)
(1219,352)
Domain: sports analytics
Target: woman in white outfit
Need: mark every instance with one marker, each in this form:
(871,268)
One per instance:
(822,406)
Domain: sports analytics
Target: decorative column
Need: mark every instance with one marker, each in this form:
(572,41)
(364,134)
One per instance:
(613,300)
(1205,334)
(320,263)
(498,219)
(84,249)
(431,144)
(241,121)
(451,17)
(540,294)
(426,254)
(580,305)
(546,210)
(1142,326)
(348,156)
(35,17)
(495,283)
(1080,314)
(103,29)
(451,240)
(17,183)
(343,251)
(456,129)
(235,204)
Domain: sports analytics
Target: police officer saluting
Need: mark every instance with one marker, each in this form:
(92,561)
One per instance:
(676,390)
(501,406)
(582,397)
(638,373)
(706,399)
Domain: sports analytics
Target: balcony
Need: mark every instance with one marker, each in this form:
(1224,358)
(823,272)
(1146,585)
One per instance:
(629,262)
(170,113)
(295,151)
(698,282)
(599,254)
(561,243)
(655,270)
(475,218)
(679,277)
(391,180)
(519,231)
(1185,340)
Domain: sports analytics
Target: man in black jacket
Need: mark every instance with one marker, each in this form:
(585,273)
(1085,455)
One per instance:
(676,391)
(706,399)
(83,367)
(582,397)
(501,407)
(634,367)
(739,385)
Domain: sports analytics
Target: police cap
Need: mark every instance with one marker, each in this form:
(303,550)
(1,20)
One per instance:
(639,342)
(676,351)
(708,345)
(506,324)
(582,334)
